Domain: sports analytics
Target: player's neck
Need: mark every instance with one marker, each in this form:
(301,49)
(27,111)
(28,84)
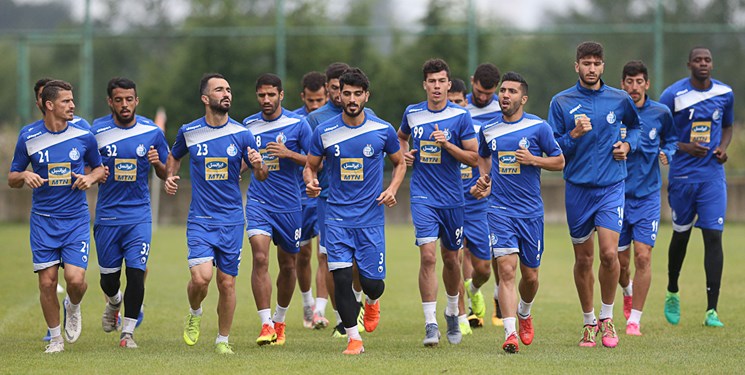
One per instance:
(55,124)
(641,101)
(436,106)
(273,116)
(701,85)
(515,117)
(215,119)
(596,86)
(129,124)
(353,121)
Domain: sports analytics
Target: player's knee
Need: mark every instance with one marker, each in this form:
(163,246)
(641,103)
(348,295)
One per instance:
(482,268)
(47,283)
(110,282)
(373,288)
(287,263)
(530,277)
(135,278)
(608,258)
(428,260)
(506,270)
(712,239)
(260,260)
(343,278)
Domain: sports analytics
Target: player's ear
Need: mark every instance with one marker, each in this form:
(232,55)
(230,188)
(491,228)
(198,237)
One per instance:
(524,99)
(205,99)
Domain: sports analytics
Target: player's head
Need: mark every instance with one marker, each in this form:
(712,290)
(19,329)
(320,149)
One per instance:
(314,90)
(700,63)
(513,94)
(589,65)
(37,91)
(635,80)
(457,92)
(57,100)
(354,87)
(215,93)
(484,84)
(436,73)
(269,93)
(333,72)
(122,99)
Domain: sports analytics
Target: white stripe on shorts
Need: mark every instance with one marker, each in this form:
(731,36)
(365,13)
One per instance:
(198,261)
(43,266)
(425,240)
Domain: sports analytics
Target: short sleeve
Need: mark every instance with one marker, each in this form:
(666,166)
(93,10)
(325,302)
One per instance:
(179,146)
(391,142)
(21,158)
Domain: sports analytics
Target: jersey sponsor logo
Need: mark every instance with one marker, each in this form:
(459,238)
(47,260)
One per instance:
(653,134)
(352,169)
(623,132)
(141,150)
(575,109)
(508,162)
(429,152)
(215,169)
(466,172)
(74,154)
(715,116)
(611,117)
(701,131)
(232,150)
(125,170)
(271,161)
(578,116)
(524,143)
(368,151)
(60,174)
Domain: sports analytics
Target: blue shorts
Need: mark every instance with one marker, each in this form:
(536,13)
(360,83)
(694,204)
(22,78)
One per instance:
(284,228)
(431,224)
(641,219)
(476,232)
(366,246)
(511,235)
(114,243)
(310,224)
(57,240)
(220,244)
(708,200)
(590,207)
(321,222)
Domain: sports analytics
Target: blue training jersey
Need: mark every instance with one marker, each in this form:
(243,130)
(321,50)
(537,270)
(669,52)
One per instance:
(486,113)
(80,122)
(279,192)
(355,164)
(304,200)
(215,155)
(125,197)
(589,158)
(657,134)
(55,156)
(436,180)
(516,188)
(698,116)
(469,175)
(302,111)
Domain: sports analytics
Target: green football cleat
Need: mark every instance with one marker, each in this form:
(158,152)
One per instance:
(672,307)
(465,328)
(191,330)
(712,319)
(223,348)
(477,301)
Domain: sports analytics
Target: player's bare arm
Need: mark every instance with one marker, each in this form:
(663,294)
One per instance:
(154,158)
(171,182)
(549,163)
(721,151)
(694,149)
(16,180)
(310,176)
(482,188)
(403,141)
(85,181)
(260,170)
(388,196)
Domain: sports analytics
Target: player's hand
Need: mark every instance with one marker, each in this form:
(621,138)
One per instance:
(582,126)
(620,150)
(277,149)
(663,158)
(171,184)
(82,181)
(313,189)
(479,194)
(152,155)
(524,156)
(105,176)
(439,137)
(387,198)
(721,155)
(33,180)
(483,187)
(694,149)
(409,157)
(254,157)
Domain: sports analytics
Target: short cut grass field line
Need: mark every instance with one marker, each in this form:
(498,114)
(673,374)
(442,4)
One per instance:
(395,347)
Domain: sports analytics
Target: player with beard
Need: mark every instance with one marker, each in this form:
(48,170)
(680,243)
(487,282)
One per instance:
(216,145)
(588,119)
(354,145)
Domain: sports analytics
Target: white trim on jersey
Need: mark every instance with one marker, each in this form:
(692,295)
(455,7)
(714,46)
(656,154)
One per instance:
(260,126)
(115,134)
(426,117)
(492,107)
(207,133)
(343,133)
(47,140)
(503,128)
(693,97)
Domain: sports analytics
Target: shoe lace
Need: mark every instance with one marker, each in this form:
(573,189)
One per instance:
(671,303)
(588,333)
(191,325)
(609,330)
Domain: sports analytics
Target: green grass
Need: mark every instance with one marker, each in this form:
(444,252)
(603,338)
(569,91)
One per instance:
(396,346)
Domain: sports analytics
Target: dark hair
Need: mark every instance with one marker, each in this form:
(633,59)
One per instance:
(458,86)
(434,66)
(354,77)
(313,81)
(120,83)
(690,53)
(269,79)
(51,90)
(634,68)
(487,75)
(205,80)
(591,49)
(516,77)
(40,85)
(335,70)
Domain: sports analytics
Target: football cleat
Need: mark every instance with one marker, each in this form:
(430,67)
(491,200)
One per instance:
(319,321)
(526,329)
(672,307)
(431,335)
(632,329)
(73,323)
(308,316)
(453,329)
(477,301)
(191,329)
(372,316)
(279,328)
(588,336)
(55,346)
(354,347)
(110,318)
(267,335)
(610,338)
(496,318)
(627,306)
(339,331)
(223,348)
(465,328)
(712,319)
(127,341)
(510,345)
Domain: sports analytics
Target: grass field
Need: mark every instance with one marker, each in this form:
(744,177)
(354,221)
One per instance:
(395,347)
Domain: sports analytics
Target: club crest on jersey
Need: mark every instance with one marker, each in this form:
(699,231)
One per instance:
(74,154)
(429,152)
(446,131)
(368,151)
(653,134)
(125,170)
(611,117)
(715,116)
(59,174)
(466,172)
(524,143)
(215,169)
(232,150)
(352,169)
(508,163)
(141,151)
(281,138)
